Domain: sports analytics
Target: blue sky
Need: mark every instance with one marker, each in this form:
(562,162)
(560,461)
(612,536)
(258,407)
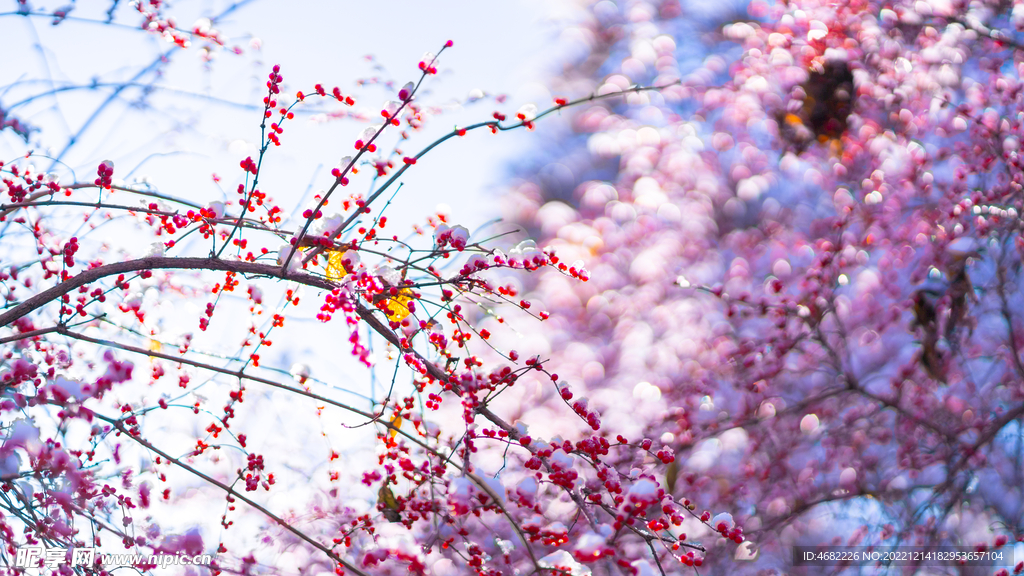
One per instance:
(183,139)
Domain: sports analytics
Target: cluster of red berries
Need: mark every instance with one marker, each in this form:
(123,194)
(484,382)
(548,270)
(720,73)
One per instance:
(105,171)
(69,252)
(248,165)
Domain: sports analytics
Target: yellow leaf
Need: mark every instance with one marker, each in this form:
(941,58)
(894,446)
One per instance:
(153,346)
(336,265)
(397,308)
(397,423)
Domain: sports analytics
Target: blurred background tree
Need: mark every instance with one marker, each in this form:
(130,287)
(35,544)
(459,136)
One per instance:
(805,264)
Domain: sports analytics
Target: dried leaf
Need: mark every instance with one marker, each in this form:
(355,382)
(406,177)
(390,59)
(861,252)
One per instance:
(397,308)
(336,265)
(396,422)
(386,498)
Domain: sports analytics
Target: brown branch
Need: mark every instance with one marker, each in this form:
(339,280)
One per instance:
(7,209)
(120,427)
(989,434)
(1008,316)
(26,335)
(251,268)
(458,132)
(156,263)
(240,374)
(236,373)
(804,507)
(498,502)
